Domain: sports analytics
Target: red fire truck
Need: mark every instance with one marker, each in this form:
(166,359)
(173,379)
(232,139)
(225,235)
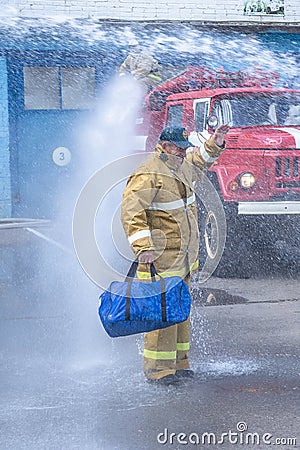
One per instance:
(258,175)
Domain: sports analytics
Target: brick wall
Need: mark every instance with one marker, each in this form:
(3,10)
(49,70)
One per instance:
(189,10)
(5,181)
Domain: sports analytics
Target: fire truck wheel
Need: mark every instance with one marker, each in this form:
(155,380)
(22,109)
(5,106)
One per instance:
(236,258)
(225,249)
(212,228)
(211,232)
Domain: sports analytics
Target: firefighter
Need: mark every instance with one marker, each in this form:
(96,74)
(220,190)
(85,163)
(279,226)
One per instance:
(159,217)
(142,66)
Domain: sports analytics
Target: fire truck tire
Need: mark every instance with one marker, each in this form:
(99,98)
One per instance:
(235,259)
(212,228)
(223,251)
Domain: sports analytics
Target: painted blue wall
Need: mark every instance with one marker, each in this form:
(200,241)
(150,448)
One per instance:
(5,176)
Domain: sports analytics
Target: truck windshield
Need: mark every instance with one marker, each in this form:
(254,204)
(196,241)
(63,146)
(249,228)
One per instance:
(256,109)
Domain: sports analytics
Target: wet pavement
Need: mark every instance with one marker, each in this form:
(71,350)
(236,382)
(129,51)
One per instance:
(66,385)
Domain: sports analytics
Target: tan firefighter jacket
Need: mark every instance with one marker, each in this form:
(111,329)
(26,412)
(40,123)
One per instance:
(142,67)
(159,208)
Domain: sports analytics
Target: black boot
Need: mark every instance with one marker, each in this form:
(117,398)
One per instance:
(165,381)
(185,373)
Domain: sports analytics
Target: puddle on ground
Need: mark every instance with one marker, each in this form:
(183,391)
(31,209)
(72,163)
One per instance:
(214,297)
(125,388)
(227,367)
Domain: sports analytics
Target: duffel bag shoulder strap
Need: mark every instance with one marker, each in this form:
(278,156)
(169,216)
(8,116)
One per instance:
(132,270)
(153,272)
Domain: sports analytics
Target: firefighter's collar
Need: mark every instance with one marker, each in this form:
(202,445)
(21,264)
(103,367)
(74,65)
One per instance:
(167,158)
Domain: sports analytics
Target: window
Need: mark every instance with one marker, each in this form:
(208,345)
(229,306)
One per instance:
(201,113)
(174,116)
(56,87)
(257,109)
(41,88)
(223,110)
(78,87)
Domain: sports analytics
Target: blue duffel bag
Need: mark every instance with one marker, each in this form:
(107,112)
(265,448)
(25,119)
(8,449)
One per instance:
(132,306)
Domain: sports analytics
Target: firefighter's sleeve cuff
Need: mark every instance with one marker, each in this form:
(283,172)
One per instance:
(140,241)
(212,150)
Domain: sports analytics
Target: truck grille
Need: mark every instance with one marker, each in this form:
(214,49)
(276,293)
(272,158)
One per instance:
(287,172)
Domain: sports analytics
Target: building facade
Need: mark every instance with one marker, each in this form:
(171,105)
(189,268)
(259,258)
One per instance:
(244,11)
(55,57)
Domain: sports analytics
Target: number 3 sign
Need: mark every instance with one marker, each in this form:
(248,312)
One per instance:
(61,156)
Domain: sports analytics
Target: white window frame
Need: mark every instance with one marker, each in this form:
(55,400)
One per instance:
(206,100)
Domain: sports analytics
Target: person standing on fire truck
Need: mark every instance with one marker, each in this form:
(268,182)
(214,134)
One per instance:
(142,66)
(159,217)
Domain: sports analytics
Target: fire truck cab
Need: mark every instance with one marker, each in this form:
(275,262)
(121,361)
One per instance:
(258,175)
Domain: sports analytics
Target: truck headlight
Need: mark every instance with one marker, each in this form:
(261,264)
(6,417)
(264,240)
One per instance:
(247,180)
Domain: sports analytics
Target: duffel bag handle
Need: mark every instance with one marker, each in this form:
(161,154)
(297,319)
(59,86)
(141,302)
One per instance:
(133,269)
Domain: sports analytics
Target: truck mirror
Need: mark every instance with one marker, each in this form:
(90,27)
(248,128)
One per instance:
(212,122)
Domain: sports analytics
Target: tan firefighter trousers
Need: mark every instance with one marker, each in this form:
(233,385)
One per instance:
(166,350)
